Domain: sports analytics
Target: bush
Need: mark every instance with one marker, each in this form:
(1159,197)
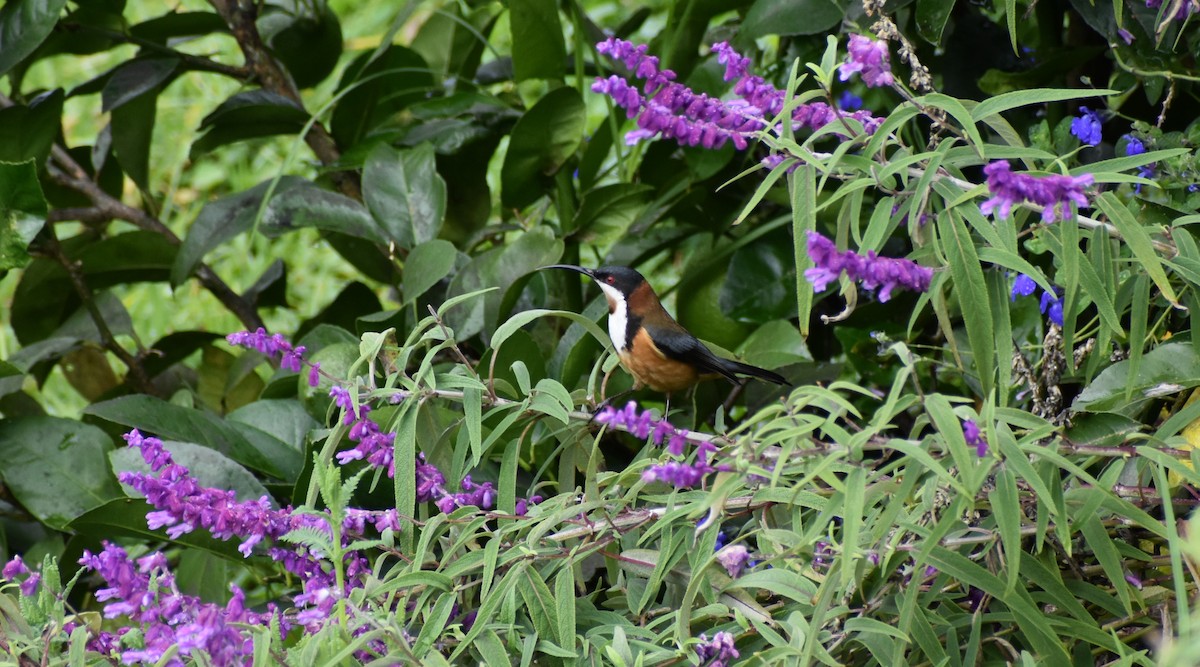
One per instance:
(962,234)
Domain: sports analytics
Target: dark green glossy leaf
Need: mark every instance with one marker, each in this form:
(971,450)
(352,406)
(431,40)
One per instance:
(1166,370)
(178,24)
(174,422)
(781,17)
(45,298)
(308,205)
(24,24)
(932,16)
(405,193)
(27,132)
(135,78)
(759,285)
(427,265)
(174,348)
(607,212)
(539,51)
(500,267)
(774,344)
(308,43)
(378,87)
(541,142)
(132,130)
(22,212)
(285,420)
(222,220)
(32,455)
(249,115)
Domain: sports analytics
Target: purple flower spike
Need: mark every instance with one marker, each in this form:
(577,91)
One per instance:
(1087,126)
(13,568)
(1049,192)
(974,437)
(870,57)
(678,474)
(274,346)
(717,652)
(874,272)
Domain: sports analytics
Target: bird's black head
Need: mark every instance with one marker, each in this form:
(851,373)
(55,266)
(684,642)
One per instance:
(621,278)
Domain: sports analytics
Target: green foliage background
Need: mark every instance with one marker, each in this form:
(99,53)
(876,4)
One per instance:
(379,182)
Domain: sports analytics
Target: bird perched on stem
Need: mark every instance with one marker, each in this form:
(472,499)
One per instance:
(656,350)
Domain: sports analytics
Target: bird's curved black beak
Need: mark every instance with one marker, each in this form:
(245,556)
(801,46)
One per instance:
(570,267)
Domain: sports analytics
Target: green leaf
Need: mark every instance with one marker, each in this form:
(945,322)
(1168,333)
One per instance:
(221,220)
(972,293)
(27,132)
(607,212)
(307,42)
(377,86)
(56,468)
(514,323)
(1167,369)
(1019,98)
(135,78)
(539,51)
(932,16)
(507,267)
(23,211)
(307,205)
(286,420)
(774,344)
(249,115)
(426,265)
(24,25)
(758,284)
(178,24)
(540,144)
(176,422)
(1138,240)
(405,193)
(209,467)
(782,17)
(132,130)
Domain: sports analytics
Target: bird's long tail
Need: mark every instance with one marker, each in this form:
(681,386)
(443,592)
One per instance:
(754,371)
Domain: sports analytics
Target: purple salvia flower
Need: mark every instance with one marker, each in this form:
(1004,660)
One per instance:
(734,558)
(870,57)
(718,652)
(1022,286)
(678,474)
(314,374)
(1049,192)
(848,101)
(274,346)
(1052,307)
(14,567)
(30,585)
(974,437)
(874,272)
(1087,126)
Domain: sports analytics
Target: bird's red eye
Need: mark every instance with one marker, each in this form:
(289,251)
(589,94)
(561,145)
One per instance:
(610,279)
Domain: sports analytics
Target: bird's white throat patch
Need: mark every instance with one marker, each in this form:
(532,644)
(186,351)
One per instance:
(618,316)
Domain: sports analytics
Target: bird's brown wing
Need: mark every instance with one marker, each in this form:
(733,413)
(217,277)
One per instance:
(678,344)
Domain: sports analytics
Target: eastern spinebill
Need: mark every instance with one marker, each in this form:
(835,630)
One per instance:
(656,350)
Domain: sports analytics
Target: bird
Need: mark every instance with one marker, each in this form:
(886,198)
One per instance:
(656,350)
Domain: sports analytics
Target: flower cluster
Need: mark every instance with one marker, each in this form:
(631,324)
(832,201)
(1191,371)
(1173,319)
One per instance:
(373,445)
(15,568)
(670,109)
(734,559)
(870,57)
(643,424)
(874,272)
(1135,146)
(276,347)
(1051,303)
(717,652)
(974,437)
(146,592)
(1049,192)
(1087,126)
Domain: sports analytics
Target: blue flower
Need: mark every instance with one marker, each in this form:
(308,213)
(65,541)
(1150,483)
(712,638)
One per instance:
(848,101)
(1052,307)
(974,437)
(1087,126)
(1133,145)
(1023,286)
